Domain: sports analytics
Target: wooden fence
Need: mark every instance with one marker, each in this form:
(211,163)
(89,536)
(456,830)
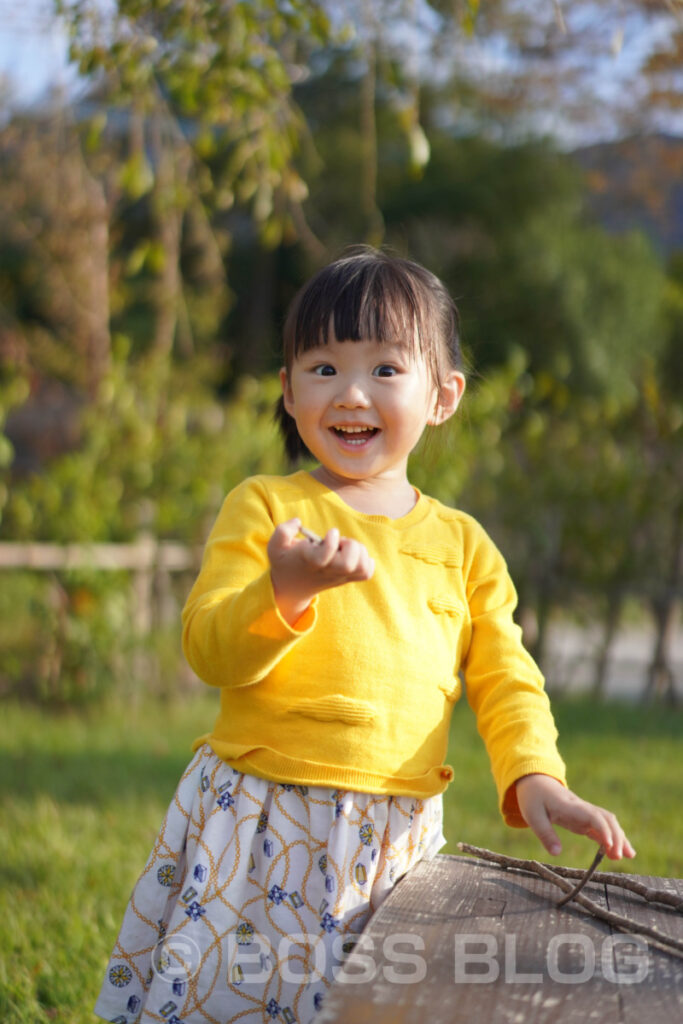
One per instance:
(149,561)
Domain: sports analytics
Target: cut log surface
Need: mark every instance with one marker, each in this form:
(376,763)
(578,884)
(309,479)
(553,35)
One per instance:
(660,996)
(461,940)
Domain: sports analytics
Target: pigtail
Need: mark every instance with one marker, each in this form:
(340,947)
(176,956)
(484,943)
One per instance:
(295,449)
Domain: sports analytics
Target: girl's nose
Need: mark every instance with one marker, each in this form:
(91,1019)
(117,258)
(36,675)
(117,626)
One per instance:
(351,395)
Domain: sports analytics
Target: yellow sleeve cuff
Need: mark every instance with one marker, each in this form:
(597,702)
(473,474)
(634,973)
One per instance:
(270,623)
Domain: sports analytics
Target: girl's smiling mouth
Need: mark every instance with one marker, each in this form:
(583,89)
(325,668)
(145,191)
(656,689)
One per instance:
(355,435)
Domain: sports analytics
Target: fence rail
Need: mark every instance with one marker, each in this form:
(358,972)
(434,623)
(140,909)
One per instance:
(143,554)
(151,561)
(148,559)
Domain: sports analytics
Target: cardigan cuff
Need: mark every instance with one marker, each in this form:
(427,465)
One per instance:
(270,623)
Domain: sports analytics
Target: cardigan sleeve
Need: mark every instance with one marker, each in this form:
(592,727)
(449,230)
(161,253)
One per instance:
(233,632)
(504,685)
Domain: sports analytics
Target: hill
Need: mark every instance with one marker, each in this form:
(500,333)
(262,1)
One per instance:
(637,183)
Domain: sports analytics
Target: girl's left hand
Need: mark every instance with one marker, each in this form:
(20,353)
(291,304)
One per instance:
(544,802)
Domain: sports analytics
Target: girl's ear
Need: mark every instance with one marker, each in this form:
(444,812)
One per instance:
(287,393)
(447,398)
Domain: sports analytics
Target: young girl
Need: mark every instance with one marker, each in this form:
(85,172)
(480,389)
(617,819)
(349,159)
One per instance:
(338,661)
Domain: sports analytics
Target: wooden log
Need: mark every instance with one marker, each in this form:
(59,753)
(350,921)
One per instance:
(663,987)
(459,941)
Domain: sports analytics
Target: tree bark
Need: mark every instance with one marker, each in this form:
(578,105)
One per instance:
(615,603)
(661,681)
(368,129)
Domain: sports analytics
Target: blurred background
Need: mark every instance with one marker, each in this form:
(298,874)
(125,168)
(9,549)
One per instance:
(171,171)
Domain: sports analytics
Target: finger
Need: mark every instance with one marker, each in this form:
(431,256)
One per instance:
(539,823)
(356,561)
(349,556)
(284,535)
(588,820)
(601,825)
(363,571)
(605,830)
(620,846)
(366,565)
(322,554)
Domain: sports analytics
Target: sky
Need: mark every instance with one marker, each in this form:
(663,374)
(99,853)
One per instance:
(33,59)
(33,49)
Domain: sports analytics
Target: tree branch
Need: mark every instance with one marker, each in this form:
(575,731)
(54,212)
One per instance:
(667,943)
(669,899)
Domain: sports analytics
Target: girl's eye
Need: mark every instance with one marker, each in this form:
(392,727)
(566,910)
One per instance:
(324,370)
(384,370)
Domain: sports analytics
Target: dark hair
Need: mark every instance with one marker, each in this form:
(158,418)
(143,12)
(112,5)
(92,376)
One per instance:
(370,294)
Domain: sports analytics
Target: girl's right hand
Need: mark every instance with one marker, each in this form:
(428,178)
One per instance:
(300,569)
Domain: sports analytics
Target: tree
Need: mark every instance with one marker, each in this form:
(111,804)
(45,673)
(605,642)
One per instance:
(505,227)
(207,122)
(585,70)
(54,224)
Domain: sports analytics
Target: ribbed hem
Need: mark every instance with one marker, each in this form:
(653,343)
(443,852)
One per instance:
(269,764)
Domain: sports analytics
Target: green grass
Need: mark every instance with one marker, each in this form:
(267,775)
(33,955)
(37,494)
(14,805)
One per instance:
(84,794)
(623,757)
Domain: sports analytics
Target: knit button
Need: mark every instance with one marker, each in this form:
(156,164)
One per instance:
(447,773)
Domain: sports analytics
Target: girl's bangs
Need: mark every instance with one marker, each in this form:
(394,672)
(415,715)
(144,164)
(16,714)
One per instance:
(371,305)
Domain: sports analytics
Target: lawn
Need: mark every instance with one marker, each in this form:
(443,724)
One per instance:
(83,795)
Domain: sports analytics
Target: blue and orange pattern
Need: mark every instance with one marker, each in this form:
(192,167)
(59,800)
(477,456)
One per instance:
(252,876)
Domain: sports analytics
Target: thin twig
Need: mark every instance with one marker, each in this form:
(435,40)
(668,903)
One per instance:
(667,943)
(309,535)
(582,881)
(625,924)
(559,18)
(646,892)
(671,900)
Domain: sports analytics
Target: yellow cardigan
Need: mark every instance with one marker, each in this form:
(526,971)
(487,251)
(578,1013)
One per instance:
(358,695)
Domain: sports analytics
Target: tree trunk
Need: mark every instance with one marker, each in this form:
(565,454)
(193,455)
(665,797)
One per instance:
(96,300)
(257,347)
(368,129)
(526,618)
(615,603)
(661,681)
(168,219)
(543,609)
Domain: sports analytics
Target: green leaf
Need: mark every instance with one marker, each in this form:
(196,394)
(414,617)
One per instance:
(136,176)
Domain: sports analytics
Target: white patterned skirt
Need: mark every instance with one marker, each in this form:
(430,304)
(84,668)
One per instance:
(252,896)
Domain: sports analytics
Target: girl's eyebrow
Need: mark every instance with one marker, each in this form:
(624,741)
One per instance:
(312,354)
(311,351)
(394,346)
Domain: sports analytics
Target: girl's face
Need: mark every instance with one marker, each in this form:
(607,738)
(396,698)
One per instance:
(361,406)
